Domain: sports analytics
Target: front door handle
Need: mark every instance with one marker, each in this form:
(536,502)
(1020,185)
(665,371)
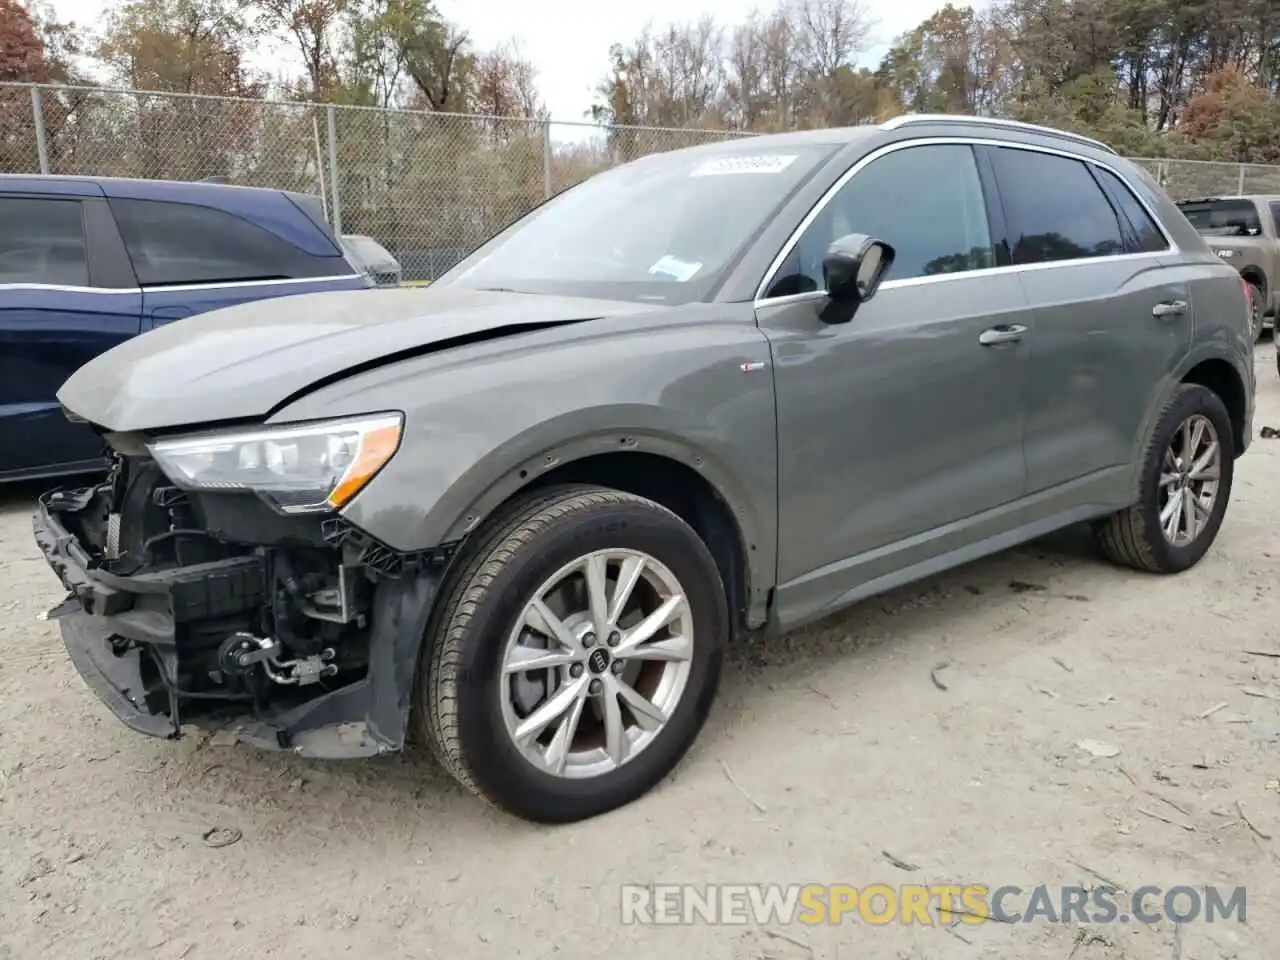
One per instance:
(1170,308)
(1006,333)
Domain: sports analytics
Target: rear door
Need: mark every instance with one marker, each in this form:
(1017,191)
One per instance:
(1109,317)
(191,257)
(67,294)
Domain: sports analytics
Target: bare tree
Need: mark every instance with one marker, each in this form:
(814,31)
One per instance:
(828,33)
(506,84)
(310,24)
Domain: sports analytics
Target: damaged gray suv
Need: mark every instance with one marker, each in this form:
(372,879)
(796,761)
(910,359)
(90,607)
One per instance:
(521,514)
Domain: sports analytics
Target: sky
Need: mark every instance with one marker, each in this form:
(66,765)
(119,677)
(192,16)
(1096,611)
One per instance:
(568,40)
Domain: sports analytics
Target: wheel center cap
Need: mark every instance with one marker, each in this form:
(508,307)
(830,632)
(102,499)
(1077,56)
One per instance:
(598,661)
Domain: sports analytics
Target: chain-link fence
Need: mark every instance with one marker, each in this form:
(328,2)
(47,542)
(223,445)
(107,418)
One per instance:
(1193,179)
(430,187)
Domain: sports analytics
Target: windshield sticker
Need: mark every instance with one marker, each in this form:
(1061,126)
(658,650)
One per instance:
(727,166)
(682,270)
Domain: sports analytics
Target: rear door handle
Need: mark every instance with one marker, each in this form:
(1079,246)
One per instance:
(1006,333)
(1170,308)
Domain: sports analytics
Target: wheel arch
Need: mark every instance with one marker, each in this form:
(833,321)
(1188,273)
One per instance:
(686,492)
(1207,365)
(1255,275)
(1222,378)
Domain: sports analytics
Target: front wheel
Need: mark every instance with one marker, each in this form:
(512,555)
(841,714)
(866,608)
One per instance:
(1183,490)
(575,655)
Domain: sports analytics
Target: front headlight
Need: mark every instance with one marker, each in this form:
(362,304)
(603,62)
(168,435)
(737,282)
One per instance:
(1227,254)
(298,469)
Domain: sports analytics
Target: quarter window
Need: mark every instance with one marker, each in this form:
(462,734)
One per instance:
(1148,235)
(176,243)
(1055,209)
(926,202)
(1275,215)
(42,241)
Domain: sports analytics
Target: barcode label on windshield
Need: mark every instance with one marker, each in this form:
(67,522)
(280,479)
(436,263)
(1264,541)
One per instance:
(727,166)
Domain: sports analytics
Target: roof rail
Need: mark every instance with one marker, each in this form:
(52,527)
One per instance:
(909,118)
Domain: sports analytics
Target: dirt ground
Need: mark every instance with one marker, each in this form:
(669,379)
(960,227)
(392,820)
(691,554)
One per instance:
(827,753)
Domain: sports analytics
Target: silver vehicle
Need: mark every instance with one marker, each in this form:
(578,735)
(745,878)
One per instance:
(716,391)
(1244,232)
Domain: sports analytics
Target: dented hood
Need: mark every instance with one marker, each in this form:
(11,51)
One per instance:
(242,362)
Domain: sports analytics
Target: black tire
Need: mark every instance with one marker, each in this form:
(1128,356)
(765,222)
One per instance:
(1257,309)
(457,707)
(1133,537)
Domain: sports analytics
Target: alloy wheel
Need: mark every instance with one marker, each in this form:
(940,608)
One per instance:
(1189,475)
(597,663)
(1255,312)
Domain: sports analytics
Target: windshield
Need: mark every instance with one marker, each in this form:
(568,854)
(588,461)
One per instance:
(662,229)
(1223,218)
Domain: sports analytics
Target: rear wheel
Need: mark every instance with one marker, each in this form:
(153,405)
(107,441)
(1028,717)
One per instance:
(1183,491)
(1257,308)
(576,654)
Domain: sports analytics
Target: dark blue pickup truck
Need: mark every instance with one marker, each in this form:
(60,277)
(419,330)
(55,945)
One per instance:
(88,262)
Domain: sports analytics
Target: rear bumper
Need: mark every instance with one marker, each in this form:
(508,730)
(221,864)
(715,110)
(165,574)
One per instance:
(137,680)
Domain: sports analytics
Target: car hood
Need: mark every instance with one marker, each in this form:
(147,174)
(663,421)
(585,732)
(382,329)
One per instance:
(242,362)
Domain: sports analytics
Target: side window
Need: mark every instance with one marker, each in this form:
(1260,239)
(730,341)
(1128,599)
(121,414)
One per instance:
(926,202)
(1275,215)
(42,241)
(176,243)
(1055,209)
(1150,239)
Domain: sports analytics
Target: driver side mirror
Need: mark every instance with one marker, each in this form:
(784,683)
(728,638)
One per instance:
(852,269)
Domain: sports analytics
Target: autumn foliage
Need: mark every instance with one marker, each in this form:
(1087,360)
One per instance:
(21,49)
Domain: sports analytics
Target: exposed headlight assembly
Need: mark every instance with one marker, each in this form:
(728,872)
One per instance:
(302,468)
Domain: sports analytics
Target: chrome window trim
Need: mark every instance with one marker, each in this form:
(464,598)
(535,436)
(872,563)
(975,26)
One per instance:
(177,288)
(1171,246)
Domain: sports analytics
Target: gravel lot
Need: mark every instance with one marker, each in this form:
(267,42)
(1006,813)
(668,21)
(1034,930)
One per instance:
(825,751)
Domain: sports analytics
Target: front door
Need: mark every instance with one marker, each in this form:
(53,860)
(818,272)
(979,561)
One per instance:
(910,417)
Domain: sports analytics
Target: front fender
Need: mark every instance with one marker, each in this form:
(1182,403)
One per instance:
(484,420)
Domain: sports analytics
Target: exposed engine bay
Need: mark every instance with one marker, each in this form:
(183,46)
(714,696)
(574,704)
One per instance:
(214,609)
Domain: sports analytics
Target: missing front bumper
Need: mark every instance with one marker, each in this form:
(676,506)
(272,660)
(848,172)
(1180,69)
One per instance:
(121,633)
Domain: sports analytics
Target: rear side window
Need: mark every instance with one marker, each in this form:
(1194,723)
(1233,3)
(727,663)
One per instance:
(42,241)
(1275,215)
(177,243)
(1148,235)
(1056,210)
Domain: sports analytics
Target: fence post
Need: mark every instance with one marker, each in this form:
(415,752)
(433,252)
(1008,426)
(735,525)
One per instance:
(546,160)
(331,124)
(37,114)
(1240,188)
